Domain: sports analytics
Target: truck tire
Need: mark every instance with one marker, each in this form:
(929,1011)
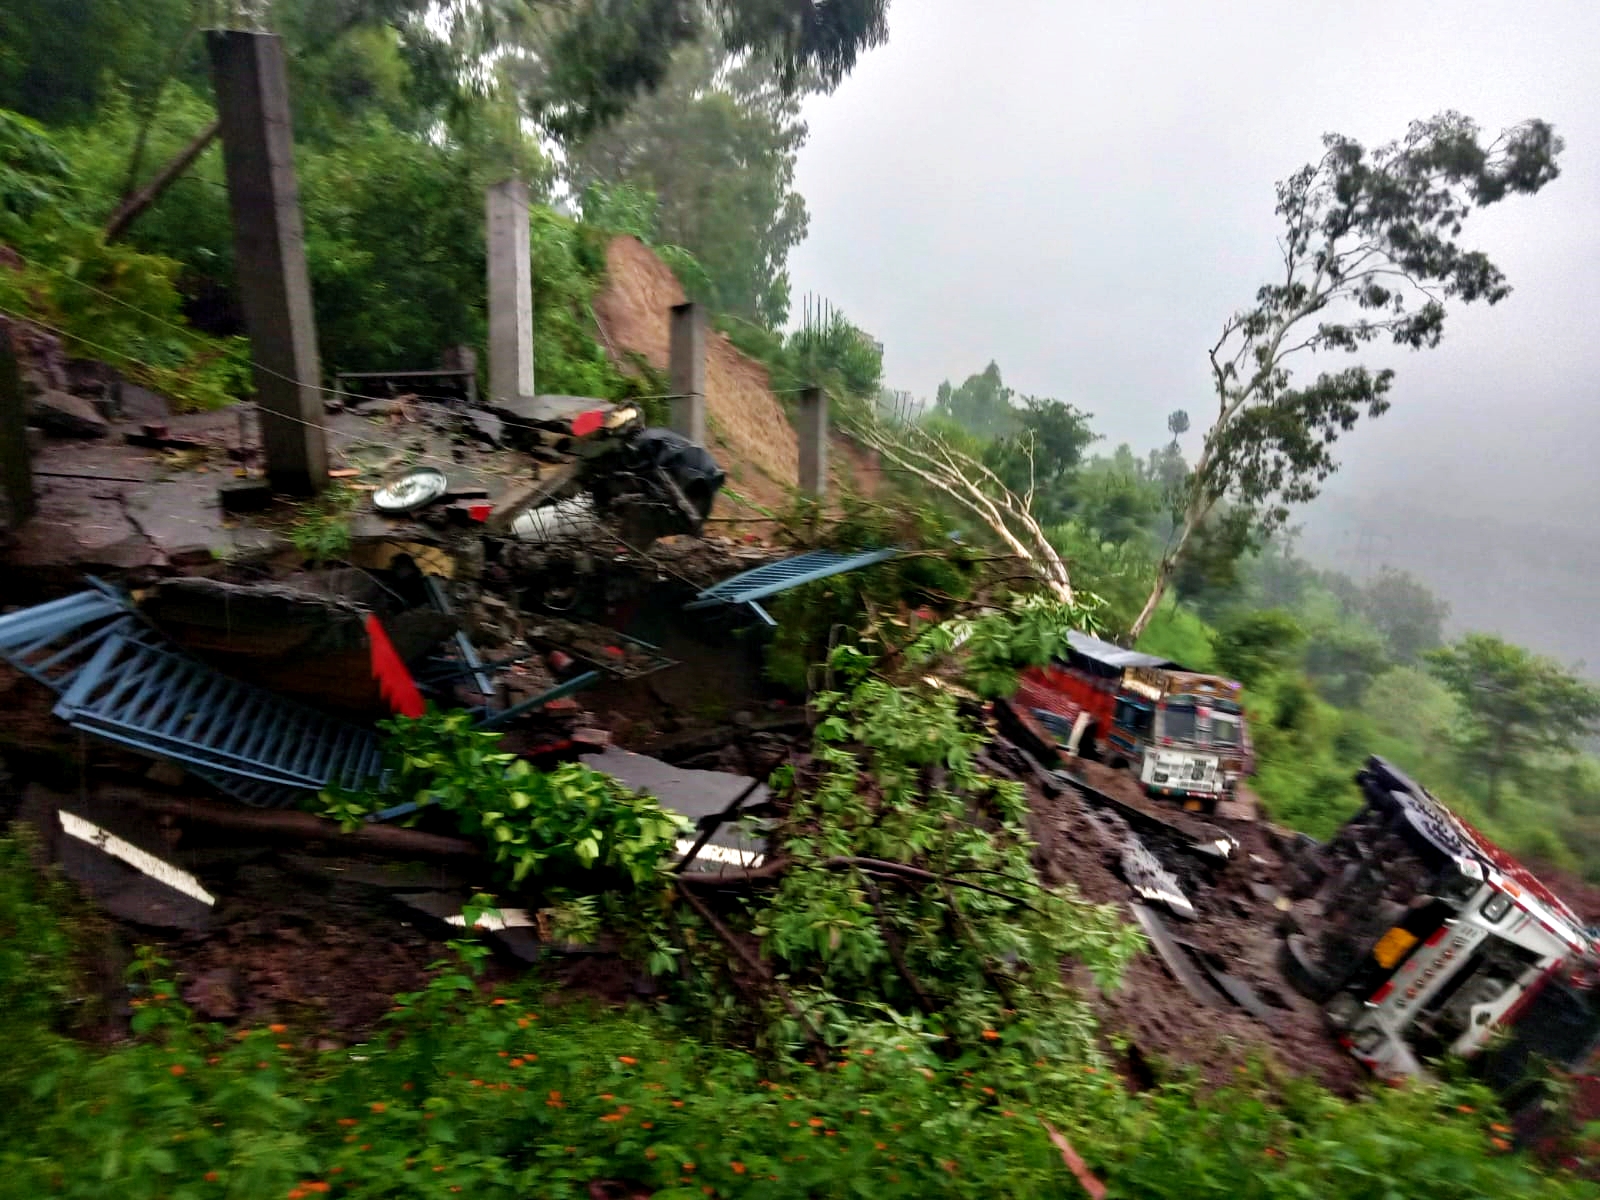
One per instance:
(1300,971)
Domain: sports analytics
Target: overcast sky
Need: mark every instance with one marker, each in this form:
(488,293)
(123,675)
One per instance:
(1084,192)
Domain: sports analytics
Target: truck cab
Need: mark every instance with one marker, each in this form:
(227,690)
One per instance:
(1420,938)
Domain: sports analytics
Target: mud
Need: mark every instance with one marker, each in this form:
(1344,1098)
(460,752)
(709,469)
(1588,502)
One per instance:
(1172,1030)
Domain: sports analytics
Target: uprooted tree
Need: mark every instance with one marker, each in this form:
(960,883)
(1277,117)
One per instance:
(963,478)
(1370,250)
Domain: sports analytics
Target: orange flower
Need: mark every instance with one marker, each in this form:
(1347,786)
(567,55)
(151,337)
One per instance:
(429,1116)
(1091,1070)
(436,1170)
(677,1104)
(647,1124)
(178,1069)
(261,1066)
(1273,1152)
(378,1106)
(318,1186)
(555,1101)
(1500,1143)
(211,1177)
(627,1060)
(498,1000)
(407,1086)
(1501,1128)
(160,996)
(816,1122)
(650,1154)
(794,1124)
(503,1053)
(516,1062)
(1466,1108)
(687,1167)
(988,1091)
(991,1035)
(297,1193)
(477,1083)
(347,1122)
(285,1045)
(278,1028)
(522,1022)
(607,1096)
(612,1117)
(868,1050)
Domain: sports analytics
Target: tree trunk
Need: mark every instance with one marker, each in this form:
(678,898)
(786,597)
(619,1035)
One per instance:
(1153,601)
(134,206)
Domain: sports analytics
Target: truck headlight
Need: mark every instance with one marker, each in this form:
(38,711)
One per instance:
(1496,906)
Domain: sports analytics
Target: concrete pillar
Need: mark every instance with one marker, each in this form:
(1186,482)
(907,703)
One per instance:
(16,460)
(811,430)
(247,70)
(510,292)
(689,372)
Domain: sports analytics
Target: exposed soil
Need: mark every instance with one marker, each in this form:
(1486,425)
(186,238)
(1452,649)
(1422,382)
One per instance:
(748,425)
(1171,1028)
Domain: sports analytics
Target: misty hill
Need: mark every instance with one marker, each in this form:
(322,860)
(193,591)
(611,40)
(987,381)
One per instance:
(1533,583)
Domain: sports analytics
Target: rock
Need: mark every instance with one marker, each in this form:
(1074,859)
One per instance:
(142,406)
(485,426)
(62,414)
(214,994)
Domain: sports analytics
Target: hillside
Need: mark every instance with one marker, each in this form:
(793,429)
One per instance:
(748,426)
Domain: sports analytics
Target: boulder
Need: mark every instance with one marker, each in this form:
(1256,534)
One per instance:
(142,406)
(62,414)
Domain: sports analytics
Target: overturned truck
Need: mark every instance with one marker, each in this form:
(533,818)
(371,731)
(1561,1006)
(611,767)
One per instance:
(1419,937)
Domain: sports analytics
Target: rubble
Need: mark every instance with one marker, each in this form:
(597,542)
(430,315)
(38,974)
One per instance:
(61,414)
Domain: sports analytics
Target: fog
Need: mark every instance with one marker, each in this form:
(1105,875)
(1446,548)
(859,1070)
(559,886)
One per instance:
(1084,193)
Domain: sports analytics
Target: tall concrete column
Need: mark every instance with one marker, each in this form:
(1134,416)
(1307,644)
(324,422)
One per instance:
(811,430)
(16,459)
(689,372)
(510,291)
(247,70)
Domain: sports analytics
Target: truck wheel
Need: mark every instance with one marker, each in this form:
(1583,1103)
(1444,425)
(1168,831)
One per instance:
(1301,972)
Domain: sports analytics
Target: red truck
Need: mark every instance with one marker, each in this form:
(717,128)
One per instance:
(1182,732)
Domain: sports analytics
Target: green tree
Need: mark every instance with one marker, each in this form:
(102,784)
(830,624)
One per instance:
(716,144)
(1517,706)
(1255,646)
(1343,660)
(1410,617)
(1370,250)
(982,404)
(1039,462)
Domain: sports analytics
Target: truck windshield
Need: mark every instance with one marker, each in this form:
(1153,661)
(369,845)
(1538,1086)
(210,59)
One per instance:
(1224,730)
(1178,722)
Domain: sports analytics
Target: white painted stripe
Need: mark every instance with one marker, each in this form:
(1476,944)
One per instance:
(723,854)
(509,918)
(158,869)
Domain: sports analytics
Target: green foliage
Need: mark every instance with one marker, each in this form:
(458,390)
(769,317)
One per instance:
(320,529)
(1178,634)
(998,643)
(1409,617)
(827,351)
(1371,251)
(867,605)
(714,148)
(1343,660)
(1517,705)
(982,404)
(1039,461)
(898,783)
(59,61)
(1257,645)
(551,825)
(508,1094)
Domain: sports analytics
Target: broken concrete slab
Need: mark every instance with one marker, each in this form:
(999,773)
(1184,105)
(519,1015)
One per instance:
(61,414)
(142,406)
(695,794)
